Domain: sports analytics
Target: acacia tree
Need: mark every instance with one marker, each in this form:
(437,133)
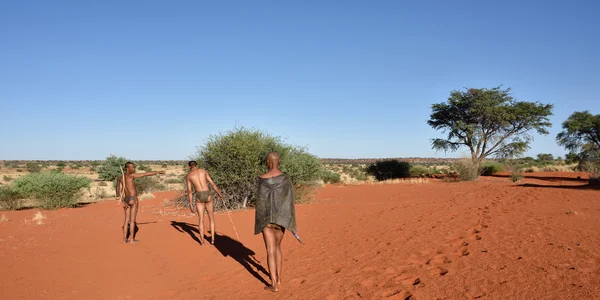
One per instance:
(489,122)
(581,134)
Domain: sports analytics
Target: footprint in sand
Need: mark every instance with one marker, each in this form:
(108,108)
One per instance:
(438,260)
(439,271)
(462,251)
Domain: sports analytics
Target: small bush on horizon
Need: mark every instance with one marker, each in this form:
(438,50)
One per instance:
(389,169)
(33,167)
(51,189)
(418,171)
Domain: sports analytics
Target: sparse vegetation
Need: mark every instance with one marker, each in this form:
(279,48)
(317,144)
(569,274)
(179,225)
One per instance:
(148,184)
(7,178)
(330,177)
(51,189)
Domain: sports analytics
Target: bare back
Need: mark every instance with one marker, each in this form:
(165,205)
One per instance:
(199,180)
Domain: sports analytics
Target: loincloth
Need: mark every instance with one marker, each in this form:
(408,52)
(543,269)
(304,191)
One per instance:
(128,199)
(202,196)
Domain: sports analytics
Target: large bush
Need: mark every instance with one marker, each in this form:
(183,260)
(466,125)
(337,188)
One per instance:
(236,159)
(389,169)
(9,198)
(51,189)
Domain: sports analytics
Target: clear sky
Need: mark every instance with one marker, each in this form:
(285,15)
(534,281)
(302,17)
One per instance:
(350,79)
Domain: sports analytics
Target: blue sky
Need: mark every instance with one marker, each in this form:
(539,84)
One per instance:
(153,79)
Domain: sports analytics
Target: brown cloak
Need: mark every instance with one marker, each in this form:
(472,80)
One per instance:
(275,203)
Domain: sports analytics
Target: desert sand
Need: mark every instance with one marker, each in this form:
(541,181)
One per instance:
(490,239)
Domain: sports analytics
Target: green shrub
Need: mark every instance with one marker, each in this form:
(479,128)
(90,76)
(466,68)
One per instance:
(61,165)
(75,166)
(516,176)
(10,199)
(417,171)
(330,177)
(144,168)
(389,169)
(490,168)
(33,167)
(110,168)
(236,159)
(362,177)
(51,189)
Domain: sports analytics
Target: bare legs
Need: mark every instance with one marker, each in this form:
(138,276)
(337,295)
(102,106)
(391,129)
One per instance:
(211,217)
(130,215)
(133,210)
(273,235)
(200,212)
(127,213)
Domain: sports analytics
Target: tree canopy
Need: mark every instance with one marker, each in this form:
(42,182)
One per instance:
(489,122)
(581,134)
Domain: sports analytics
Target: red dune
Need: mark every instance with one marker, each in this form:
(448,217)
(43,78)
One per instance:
(489,239)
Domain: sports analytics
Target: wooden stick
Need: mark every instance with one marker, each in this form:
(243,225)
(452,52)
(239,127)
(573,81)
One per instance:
(121,196)
(231,220)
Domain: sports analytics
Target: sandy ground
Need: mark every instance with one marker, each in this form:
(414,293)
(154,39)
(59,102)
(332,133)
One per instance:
(484,240)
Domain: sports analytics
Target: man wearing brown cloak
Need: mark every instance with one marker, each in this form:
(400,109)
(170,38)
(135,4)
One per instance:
(275,212)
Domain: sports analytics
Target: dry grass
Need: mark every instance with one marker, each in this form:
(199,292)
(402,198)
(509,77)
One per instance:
(549,168)
(146,196)
(38,218)
(402,181)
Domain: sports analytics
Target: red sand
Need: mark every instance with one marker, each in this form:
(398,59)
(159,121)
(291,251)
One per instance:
(489,239)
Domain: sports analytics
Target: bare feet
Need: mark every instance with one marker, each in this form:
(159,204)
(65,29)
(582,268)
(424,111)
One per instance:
(212,240)
(125,241)
(133,241)
(273,289)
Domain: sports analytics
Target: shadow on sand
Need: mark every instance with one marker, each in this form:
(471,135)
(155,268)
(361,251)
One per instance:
(571,187)
(228,247)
